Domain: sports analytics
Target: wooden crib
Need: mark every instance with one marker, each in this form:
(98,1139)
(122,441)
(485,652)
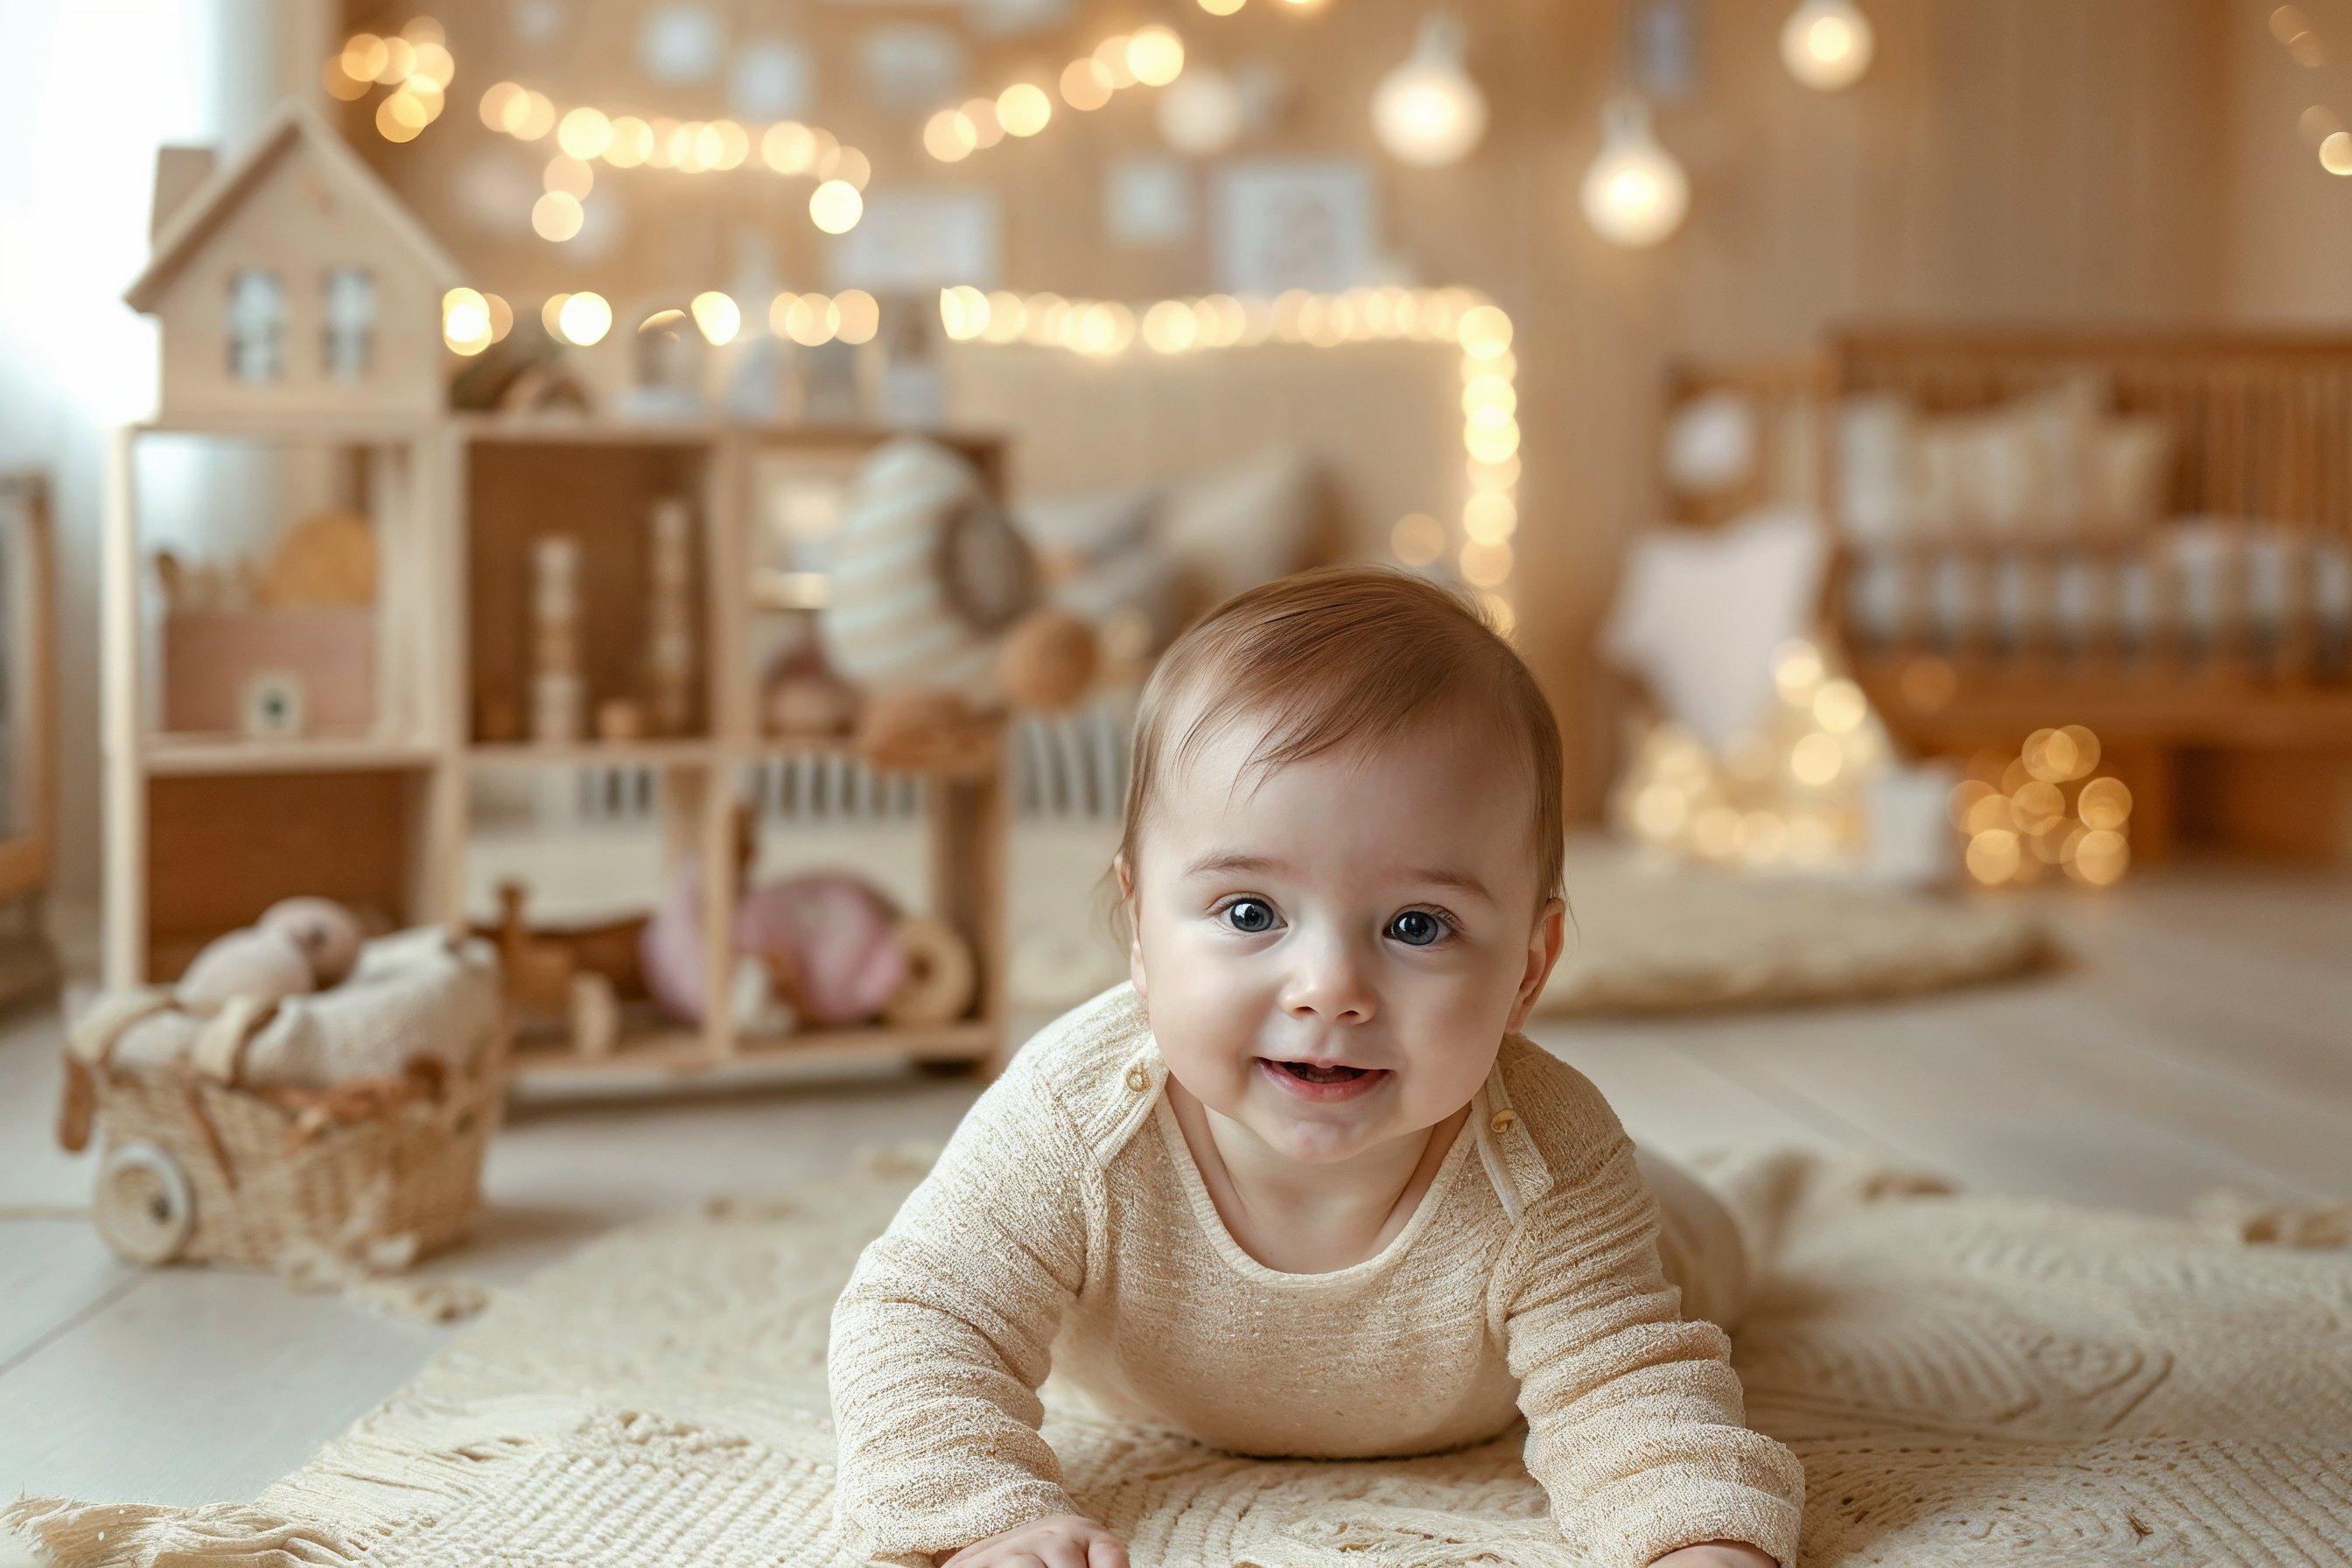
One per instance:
(2217,624)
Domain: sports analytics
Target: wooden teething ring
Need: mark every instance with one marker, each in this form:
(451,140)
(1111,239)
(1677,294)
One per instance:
(939,975)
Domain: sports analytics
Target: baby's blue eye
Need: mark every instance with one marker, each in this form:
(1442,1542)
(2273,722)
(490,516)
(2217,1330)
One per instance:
(1249,916)
(1416,928)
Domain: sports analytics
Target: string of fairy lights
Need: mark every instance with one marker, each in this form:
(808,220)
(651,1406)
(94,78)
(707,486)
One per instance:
(417,62)
(585,135)
(1474,327)
(1151,56)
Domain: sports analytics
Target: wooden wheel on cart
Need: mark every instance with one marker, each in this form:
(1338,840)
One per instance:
(143,1205)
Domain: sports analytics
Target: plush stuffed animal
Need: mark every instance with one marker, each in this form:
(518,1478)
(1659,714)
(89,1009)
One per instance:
(298,946)
(932,590)
(328,934)
(267,966)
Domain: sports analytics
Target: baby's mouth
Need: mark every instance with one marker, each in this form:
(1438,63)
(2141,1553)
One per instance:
(1335,1073)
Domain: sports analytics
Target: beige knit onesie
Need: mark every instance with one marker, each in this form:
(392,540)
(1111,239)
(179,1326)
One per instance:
(1066,1226)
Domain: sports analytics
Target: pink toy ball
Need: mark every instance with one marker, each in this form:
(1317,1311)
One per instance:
(327,933)
(830,938)
(835,935)
(669,952)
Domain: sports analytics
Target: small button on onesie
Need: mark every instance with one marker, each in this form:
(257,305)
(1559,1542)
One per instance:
(1502,1119)
(1138,1080)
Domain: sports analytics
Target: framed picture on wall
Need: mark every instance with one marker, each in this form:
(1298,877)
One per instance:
(1295,224)
(922,239)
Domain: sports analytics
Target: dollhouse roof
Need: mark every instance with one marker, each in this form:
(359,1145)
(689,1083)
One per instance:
(291,125)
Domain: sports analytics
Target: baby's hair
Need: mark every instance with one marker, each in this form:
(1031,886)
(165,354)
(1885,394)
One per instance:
(1346,656)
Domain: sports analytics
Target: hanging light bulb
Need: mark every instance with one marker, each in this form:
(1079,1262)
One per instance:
(1428,110)
(1634,193)
(1826,43)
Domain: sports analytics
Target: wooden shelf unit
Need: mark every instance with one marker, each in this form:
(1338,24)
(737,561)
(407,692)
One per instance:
(452,605)
(205,830)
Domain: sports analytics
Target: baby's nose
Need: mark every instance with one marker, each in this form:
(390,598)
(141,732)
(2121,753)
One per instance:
(1330,984)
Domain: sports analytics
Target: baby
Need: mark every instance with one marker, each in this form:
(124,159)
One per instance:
(1301,1189)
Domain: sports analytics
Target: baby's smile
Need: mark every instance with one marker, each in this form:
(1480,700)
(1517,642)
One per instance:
(1323,1083)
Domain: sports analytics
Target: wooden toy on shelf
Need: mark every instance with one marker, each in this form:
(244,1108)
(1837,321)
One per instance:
(804,698)
(941,977)
(670,617)
(569,979)
(281,648)
(559,693)
(327,560)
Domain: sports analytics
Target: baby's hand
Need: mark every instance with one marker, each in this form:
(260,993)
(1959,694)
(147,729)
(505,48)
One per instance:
(1060,1541)
(1715,1554)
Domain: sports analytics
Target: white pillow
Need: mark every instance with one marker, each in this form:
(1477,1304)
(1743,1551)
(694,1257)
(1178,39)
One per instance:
(2130,480)
(1699,613)
(2034,466)
(1102,562)
(1086,527)
(1238,527)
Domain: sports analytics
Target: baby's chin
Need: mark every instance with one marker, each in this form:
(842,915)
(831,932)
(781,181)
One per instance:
(1314,1143)
(1322,1135)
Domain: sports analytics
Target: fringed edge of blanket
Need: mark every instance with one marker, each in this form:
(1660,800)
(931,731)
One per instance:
(51,1533)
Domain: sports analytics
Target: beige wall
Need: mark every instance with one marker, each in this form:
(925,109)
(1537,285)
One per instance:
(2005,160)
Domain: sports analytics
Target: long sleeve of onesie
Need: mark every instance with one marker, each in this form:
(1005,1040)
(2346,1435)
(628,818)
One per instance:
(1635,1417)
(945,1329)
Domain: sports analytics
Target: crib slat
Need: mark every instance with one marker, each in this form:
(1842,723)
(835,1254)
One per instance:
(2297,643)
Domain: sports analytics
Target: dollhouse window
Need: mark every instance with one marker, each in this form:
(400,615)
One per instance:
(348,344)
(257,325)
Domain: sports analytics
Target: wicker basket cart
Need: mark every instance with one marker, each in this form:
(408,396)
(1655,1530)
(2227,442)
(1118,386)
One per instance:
(203,1164)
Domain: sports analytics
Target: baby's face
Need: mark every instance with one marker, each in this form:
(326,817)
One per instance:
(1331,953)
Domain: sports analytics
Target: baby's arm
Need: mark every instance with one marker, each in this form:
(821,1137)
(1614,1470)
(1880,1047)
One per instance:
(945,1329)
(1635,1418)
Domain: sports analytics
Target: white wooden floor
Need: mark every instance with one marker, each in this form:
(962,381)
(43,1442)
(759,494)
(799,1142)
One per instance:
(2204,1040)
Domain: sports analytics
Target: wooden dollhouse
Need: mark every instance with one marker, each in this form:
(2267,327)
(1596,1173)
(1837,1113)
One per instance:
(292,282)
(544,595)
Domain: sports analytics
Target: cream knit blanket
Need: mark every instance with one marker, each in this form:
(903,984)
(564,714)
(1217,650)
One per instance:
(1968,1382)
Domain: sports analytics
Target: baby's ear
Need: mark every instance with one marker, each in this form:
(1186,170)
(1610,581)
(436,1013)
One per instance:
(1133,926)
(1544,945)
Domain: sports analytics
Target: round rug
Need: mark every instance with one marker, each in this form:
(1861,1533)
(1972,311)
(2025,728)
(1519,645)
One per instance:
(1647,936)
